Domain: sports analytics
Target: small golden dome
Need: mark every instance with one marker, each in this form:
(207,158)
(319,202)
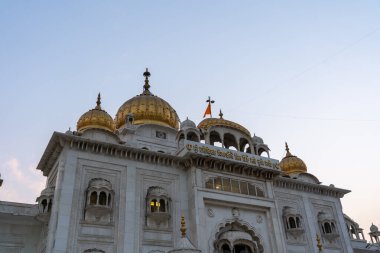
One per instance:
(147,108)
(210,122)
(96,119)
(291,163)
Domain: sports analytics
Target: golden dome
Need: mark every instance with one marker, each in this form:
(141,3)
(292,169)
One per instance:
(147,108)
(291,163)
(210,122)
(96,119)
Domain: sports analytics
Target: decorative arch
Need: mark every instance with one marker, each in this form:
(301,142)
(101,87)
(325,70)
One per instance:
(228,225)
(229,140)
(244,145)
(215,137)
(192,136)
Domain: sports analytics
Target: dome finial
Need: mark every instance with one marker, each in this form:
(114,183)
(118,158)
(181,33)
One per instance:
(98,102)
(183,226)
(287,149)
(221,114)
(146,85)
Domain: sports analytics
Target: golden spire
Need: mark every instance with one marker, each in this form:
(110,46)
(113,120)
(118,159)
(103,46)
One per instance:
(183,226)
(221,114)
(98,102)
(319,244)
(146,85)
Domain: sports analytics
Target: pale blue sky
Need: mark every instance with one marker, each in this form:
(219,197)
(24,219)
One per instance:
(306,72)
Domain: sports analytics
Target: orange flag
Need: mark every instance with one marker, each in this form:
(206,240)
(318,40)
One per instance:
(208,110)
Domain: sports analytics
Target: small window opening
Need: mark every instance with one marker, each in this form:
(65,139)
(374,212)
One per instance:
(44,205)
(102,199)
(93,198)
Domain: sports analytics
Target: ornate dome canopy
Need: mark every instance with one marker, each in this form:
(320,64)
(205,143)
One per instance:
(291,163)
(374,228)
(210,122)
(147,108)
(188,124)
(96,119)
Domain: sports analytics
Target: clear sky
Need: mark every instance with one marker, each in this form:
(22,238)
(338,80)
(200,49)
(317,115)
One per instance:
(305,72)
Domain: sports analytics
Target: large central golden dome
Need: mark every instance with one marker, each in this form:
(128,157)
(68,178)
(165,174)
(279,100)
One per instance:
(147,108)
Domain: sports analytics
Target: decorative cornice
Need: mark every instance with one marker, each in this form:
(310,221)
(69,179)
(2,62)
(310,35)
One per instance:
(59,140)
(298,185)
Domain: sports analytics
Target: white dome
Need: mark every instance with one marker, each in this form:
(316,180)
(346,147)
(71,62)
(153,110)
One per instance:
(188,124)
(374,228)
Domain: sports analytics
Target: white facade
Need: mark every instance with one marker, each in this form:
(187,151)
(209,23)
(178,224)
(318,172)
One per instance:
(126,191)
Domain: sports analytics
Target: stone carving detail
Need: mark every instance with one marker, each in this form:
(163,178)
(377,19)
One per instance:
(259,219)
(235,212)
(210,212)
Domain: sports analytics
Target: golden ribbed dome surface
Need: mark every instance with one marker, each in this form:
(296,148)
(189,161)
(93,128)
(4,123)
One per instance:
(96,119)
(210,122)
(147,108)
(291,163)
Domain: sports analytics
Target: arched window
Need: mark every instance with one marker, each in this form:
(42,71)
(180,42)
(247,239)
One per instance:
(244,145)
(102,199)
(263,152)
(226,249)
(191,136)
(241,248)
(44,205)
(109,199)
(230,141)
(49,205)
(93,198)
(298,222)
(292,223)
(327,228)
(153,205)
(99,196)
(162,205)
(157,208)
(215,139)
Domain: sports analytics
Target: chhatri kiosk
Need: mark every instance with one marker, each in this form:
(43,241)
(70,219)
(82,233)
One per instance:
(123,184)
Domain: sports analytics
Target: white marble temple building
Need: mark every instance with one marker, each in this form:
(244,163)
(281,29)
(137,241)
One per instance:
(121,185)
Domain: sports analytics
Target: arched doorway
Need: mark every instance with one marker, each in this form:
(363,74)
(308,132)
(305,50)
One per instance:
(237,237)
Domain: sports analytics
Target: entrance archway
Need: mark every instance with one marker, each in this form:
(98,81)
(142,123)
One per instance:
(237,237)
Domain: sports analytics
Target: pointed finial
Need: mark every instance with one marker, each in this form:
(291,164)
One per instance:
(183,226)
(98,102)
(319,244)
(146,85)
(221,114)
(287,149)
